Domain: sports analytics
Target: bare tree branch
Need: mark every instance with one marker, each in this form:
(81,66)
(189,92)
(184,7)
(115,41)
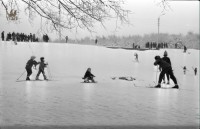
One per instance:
(73,13)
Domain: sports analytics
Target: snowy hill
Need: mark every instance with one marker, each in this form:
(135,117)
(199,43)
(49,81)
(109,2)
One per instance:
(66,101)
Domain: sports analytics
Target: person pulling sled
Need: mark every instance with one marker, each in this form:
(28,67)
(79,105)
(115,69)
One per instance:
(166,69)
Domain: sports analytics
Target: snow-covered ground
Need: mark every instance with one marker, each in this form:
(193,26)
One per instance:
(66,102)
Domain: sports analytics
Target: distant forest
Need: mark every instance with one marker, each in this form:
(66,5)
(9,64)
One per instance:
(190,40)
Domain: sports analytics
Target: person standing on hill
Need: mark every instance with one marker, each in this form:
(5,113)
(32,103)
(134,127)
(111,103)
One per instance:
(195,71)
(184,69)
(66,38)
(166,68)
(136,57)
(185,49)
(42,65)
(29,66)
(166,59)
(96,41)
(2,36)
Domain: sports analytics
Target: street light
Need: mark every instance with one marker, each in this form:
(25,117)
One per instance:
(159,26)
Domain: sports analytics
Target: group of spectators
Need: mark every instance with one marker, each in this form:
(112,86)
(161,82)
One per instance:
(45,38)
(20,37)
(154,45)
(136,46)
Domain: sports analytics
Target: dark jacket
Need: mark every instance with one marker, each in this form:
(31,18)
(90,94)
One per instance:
(30,64)
(166,59)
(88,75)
(2,35)
(42,65)
(163,64)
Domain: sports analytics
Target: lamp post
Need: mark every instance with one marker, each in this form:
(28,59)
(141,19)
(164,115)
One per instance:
(59,24)
(159,27)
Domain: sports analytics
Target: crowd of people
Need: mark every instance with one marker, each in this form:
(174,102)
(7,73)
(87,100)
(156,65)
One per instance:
(154,45)
(20,37)
(45,38)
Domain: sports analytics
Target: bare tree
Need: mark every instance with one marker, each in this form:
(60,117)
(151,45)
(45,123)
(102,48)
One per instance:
(70,13)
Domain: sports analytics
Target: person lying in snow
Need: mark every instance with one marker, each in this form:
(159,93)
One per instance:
(88,76)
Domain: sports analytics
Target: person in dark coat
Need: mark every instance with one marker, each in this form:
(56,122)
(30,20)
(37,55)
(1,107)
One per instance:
(166,59)
(184,69)
(136,57)
(88,76)
(42,65)
(195,71)
(96,41)
(166,68)
(29,66)
(2,36)
(66,38)
(185,48)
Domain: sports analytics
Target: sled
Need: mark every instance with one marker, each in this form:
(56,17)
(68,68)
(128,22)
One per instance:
(89,82)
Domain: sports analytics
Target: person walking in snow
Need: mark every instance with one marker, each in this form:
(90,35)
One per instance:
(88,76)
(184,69)
(185,49)
(166,68)
(42,65)
(136,57)
(166,59)
(96,41)
(195,71)
(29,66)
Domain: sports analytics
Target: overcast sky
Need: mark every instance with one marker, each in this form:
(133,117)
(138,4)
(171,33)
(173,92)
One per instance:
(181,18)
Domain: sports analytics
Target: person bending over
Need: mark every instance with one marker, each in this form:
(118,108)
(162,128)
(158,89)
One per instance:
(166,69)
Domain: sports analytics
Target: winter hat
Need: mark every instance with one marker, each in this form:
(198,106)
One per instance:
(33,57)
(42,58)
(157,57)
(165,53)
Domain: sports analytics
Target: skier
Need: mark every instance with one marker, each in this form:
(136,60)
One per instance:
(136,57)
(29,66)
(185,49)
(166,68)
(184,69)
(88,76)
(195,71)
(166,59)
(42,65)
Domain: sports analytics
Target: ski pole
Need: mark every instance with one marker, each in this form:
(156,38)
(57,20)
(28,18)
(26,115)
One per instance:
(156,73)
(49,73)
(48,68)
(21,75)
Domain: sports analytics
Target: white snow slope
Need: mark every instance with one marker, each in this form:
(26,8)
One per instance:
(66,102)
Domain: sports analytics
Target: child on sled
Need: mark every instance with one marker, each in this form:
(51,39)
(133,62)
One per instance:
(88,76)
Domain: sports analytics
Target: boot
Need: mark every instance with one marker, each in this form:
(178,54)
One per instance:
(158,86)
(27,79)
(45,78)
(36,78)
(176,86)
